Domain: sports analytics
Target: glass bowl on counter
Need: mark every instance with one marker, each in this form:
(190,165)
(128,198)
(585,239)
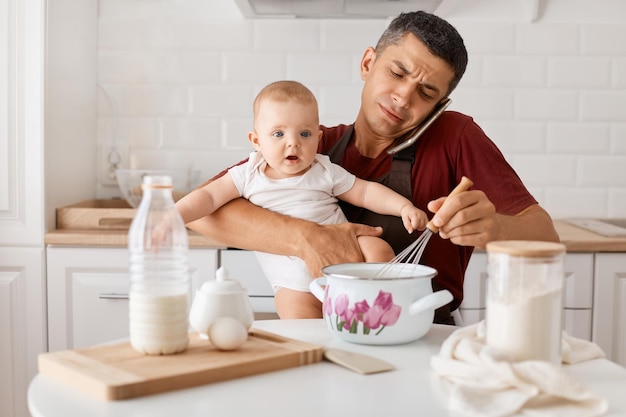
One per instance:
(130,180)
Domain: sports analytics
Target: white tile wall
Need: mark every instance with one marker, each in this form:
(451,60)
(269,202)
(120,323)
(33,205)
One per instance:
(181,76)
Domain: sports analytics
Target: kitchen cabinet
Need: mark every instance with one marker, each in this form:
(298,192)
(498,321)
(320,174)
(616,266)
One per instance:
(88,289)
(22,324)
(577,292)
(609,319)
(578,295)
(472,308)
(22,255)
(243,266)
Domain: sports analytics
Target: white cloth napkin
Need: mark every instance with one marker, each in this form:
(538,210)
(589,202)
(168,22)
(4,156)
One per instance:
(482,382)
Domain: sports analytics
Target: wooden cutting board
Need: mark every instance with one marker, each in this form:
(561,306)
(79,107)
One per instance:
(117,371)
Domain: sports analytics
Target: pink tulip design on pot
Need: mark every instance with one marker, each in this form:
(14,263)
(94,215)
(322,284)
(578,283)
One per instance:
(381,314)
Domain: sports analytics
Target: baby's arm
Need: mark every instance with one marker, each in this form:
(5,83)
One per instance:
(383,200)
(205,200)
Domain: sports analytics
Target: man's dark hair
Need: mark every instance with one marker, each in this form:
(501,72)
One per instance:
(439,36)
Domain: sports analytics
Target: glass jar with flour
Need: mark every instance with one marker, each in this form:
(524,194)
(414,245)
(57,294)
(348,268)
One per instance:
(525,299)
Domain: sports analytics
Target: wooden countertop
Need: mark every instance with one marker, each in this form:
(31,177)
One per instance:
(575,238)
(103,223)
(114,238)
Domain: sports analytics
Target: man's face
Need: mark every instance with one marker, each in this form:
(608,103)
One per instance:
(402,86)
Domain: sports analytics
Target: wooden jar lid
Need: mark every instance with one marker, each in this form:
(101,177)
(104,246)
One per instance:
(528,248)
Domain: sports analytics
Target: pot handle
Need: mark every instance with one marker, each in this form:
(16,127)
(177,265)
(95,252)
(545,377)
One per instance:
(431,301)
(316,288)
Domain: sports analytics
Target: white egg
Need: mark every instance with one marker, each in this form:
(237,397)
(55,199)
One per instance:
(227,333)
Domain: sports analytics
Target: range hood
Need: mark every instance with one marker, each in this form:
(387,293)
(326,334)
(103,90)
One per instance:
(333,8)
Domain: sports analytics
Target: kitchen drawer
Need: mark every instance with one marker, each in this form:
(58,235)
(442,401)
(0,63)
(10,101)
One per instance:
(577,292)
(99,307)
(88,293)
(243,266)
(577,323)
(475,284)
(578,287)
(472,315)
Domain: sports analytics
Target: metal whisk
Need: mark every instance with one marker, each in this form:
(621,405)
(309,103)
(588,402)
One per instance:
(413,253)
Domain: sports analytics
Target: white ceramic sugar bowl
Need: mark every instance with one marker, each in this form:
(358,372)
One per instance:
(222,297)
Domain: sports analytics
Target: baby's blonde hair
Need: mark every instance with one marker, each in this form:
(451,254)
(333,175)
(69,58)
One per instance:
(283,91)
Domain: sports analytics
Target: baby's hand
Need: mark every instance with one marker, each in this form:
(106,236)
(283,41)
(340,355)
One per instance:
(413,218)
(159,233)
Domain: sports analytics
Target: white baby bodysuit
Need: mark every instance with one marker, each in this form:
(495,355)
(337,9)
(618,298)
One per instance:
(310,196)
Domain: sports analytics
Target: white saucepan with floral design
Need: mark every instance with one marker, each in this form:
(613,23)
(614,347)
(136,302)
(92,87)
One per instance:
(360,307)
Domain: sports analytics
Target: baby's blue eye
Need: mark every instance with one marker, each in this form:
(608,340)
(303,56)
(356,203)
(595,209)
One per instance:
(278,134)
(305,134)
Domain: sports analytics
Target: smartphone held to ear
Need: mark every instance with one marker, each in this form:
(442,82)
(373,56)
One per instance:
(422,127)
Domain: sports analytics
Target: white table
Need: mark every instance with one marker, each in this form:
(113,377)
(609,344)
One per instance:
(322,389)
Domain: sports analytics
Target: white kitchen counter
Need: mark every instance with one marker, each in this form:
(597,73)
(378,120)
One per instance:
(322,389)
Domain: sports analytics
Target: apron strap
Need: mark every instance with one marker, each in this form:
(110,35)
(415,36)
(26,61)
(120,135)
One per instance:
(339,148)
(398,178)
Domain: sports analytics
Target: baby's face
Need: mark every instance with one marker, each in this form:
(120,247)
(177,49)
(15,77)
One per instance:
(287,134)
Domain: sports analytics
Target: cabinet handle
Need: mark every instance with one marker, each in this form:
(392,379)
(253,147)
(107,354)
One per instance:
(113,296)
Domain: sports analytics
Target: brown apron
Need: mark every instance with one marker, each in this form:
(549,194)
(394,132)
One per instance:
(399,180)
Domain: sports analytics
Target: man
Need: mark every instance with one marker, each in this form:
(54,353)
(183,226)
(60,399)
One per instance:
(416,64)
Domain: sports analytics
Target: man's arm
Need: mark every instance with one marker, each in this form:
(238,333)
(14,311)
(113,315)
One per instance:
(244,225)
(470,219)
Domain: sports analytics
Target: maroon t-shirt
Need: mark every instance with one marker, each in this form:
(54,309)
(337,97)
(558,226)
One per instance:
(452,147)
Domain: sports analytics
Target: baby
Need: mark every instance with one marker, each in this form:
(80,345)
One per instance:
(285,174)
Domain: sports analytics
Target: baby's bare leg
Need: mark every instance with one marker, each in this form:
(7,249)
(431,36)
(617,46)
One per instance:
(292,304)
(375,249)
